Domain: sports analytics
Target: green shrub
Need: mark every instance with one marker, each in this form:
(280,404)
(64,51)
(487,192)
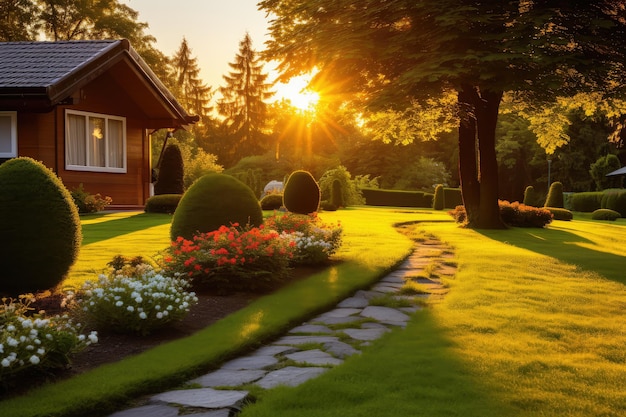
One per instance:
(336,194)
(164,203)
(532,197)
(427,200)
(327,206)
(89,203)
(614,199)
(555,196)
(171,172)
(605,214)
(397,198)
(212,201)
(603,166)
(252,178)
(351,194)
(513,214)
(198,164)
(452,197)
(301,193)
(272,202)
(40,227)
(439,199)
(586,202)
(560,213)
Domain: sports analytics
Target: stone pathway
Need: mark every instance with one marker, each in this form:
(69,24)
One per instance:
(316,346)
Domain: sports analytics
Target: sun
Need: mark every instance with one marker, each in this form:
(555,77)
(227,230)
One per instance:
(297,93)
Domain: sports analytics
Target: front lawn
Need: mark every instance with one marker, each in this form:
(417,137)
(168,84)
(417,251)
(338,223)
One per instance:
(532,326)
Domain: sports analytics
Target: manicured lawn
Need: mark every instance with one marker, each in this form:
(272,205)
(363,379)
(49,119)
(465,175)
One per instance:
(371,247)
(533,326)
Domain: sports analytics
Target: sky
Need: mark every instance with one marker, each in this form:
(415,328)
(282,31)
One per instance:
(213,29)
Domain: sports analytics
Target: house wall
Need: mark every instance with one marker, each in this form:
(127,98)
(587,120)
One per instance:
(42,137)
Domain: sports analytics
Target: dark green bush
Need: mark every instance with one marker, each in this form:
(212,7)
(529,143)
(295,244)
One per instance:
(439,200)
(532,197)
(272,202)
(560,213)
(605,214)
(171,179)
(586,202)
(212,201)
(513,214)
(89,203)
(452,197)
(397,198)
(40,227)
(351,194)
(336,194)
(603,166)
(301,194)
(555,196)
(164,203)
(327,206)
(614,199)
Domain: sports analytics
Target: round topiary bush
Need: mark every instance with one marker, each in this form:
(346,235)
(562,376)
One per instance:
(171,179)
(555,196)
(605,214)
(272,202)
(301,194)
(212,201)
(40,227)
(164,203)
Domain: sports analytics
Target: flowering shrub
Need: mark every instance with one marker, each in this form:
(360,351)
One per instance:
(89,203)
(513,214)
(231,259)
(314,241)
(134,299)
(32,341)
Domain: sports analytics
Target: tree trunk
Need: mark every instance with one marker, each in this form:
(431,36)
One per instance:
(479,168)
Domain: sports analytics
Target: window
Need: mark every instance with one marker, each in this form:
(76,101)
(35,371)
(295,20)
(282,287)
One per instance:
(8,134)
(95,142)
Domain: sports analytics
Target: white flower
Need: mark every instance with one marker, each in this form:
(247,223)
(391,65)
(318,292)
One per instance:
(138,300)
(130,308)
(34,359)
(41,351)
(143,315)
(119,304)
(5,363)
(12,342)
(10,328)
(93,337)
(159,315)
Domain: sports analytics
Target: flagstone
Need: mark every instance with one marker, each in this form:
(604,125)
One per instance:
(202,397)
(290,376)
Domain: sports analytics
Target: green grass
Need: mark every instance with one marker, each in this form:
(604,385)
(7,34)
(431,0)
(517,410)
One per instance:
(532,326)
(107,387)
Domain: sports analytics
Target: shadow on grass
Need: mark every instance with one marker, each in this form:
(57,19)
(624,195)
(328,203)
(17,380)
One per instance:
(115,227)
(564,246)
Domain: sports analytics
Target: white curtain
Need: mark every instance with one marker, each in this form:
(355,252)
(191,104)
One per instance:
(115,138)
(97,142)
(75,144)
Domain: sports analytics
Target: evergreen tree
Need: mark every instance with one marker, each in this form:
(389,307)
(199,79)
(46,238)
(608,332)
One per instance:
(191,92)
(244,105)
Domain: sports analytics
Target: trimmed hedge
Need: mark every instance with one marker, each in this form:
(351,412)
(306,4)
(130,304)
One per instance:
(605,214)
(397,198)
(164,203)
(439,199)
(586,202)
(301,193)
(614,199)
(555,196)
(272,202)
(560,213)
(452,197)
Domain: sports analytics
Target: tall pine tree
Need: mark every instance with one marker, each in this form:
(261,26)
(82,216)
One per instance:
(244,105)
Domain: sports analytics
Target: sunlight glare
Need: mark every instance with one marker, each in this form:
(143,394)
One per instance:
(297,93)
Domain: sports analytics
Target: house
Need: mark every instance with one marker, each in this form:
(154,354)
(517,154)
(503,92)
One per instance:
(86,109)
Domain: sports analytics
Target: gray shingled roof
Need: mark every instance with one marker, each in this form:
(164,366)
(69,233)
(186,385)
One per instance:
(42,64)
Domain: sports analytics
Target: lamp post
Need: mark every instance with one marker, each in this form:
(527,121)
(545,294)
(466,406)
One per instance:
(549,165)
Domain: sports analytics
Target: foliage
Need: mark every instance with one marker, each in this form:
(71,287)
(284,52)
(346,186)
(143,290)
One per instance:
(212,201)
(603,166)
(513,214)
(252,178)
(530,196)
(164,203)
(40,225)
(439,199)
(198,164)
(301,194)
(133,299)
(614,199)
(350,192)
(397,198)
(559,213)
(555,195)
(424,174)
(33,341)
(87,202)
(336,194)
(586,202)
(243,105)
(605,214)
(272,202)
(364,181)
(314,241)
(231,259)
(171,172)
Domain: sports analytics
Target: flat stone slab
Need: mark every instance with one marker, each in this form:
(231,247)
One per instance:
(311,328)
(386,288)
(250,362)
(354,302)
(396,277)
(224,412)
(155,410)
(336,320)
(202,397)
(342,312)
(365,334)
(290,376)
(272,350)
(314,357)
(373,326)
(368,295)
(300,340)
(340,349)
(384,314)
(229,378)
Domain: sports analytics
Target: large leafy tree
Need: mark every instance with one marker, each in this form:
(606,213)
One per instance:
(244,104)
(390,52)
(16,20)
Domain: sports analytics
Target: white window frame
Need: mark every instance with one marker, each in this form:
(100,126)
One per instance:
(89,166)
(13,139)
